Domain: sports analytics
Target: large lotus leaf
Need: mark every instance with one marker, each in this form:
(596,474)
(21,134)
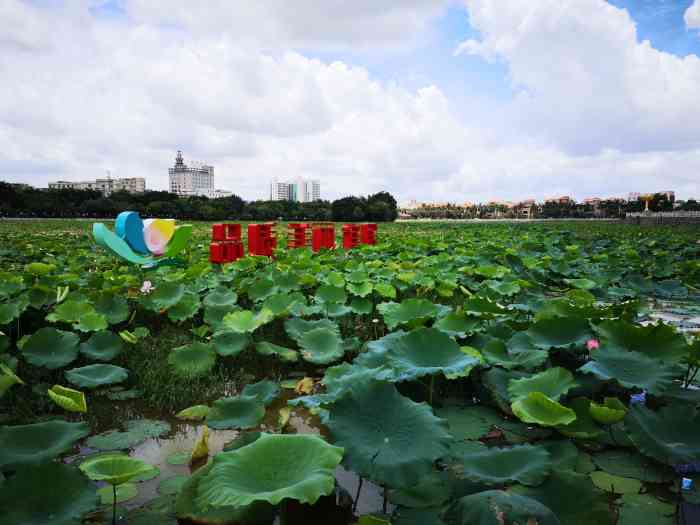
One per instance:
(615,484)
(266,391)
(658,341)
(572,497)
(220,296)
(611,411)
(286,303)
(645,509)
(51,348)
(538,408)
(93,376)
(70,311)
(114,469)
(47,494)
(496,381)
(22,445)
(9,312)
(410,310)
(387,437)
(483,307)
(193,360)
(261,289)
(584,426)
(230,344)
(631,370)
(284,353)
(496,353)
(214,316)
(671,435)
(495,507)
(526,464)
(166,295)
(113,307)
(631,465)
(457,324)
(245,321)
(553,382)
(321,346)
(272,468)
(102,346)
(172,485)
(564,331)
(330,294)
(297,327)
(137,431)
(432,490)
(186,308)
(236,412)
(385,290)
(68,399)
(362,289)
(427,351)
(187,507)
(8,379)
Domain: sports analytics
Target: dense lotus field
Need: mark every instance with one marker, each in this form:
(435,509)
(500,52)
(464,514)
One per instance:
(451,374)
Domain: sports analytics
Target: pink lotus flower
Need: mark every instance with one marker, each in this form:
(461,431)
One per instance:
(146,287)
(592,344)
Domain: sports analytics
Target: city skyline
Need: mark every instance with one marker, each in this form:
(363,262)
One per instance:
(433,100)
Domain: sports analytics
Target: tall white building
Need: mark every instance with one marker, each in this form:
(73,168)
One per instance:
(188,181)
(107,186)
(300,190)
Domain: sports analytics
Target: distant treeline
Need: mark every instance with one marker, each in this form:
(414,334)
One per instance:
(22,201)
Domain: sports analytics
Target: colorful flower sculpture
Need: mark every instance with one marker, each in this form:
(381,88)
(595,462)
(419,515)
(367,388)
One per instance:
(148,243)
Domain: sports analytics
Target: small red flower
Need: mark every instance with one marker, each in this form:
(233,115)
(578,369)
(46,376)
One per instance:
(592,344)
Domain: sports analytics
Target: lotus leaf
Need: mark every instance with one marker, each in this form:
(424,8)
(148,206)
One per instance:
(457,324)
(496,507)
(229,343)
(483,307)
(331,294)
(526,464)
(272,468)
(670,436)
(362,289)
(538,408)
(405,516)
(645,509)
(193,360)
(297,327)
(387,437)
(123,395)
(245,321)
(265,391)
(9,312)
(631,465)
(496,381)
(285,303)
(385,290)
(136,432)
(22,445)
(631,370)
(261,289)
(658,341)
(114,469)
(611,411)
(91,322)
(553,382)
(408,311)
(147,475)
(193,413)
(113,307)
(496,353)
(584,426)
(186,308)
(284,353)
(7,379)
(615,484)
(235,412)
(68,399)
(321,346)
(431,491)
(124,492)
(166,295)
(51,348)
(172,485)
(70,311)
(178,458)
(46,494)
(93,376)
(561,332)
(469,422)
(220,296)
(102,346)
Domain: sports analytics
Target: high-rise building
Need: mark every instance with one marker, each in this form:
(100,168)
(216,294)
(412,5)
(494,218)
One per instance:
(188,181)
(300,190)
(107,186)
(281,191)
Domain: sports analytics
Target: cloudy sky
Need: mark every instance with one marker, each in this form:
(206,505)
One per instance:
(429,99)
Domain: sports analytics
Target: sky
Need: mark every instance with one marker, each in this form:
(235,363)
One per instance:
(432,100)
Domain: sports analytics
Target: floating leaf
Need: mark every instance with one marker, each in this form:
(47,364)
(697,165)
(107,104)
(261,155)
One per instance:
(265,391)
(178,458)
(137,431)
(235,412)
(645,509)
(51,348)
(93,376)
(68,399)
(24,445)
(632,465)
(321,346)
(172,485)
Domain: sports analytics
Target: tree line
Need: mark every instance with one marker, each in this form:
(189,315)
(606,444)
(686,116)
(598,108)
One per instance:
(22,201)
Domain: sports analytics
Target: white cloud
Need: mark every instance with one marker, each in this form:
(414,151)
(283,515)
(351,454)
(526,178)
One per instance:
(692,16)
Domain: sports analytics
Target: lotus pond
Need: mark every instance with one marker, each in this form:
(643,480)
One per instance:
(451,374)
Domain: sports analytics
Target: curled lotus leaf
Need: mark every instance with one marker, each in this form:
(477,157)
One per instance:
(496,381)
(496,507)
(229,344)
(7,379)
(387,437)
(321,346)
(284,353)
(540,409)
(51,348)
(47,494)
(193,360)
(114,469)
(670,436)
(193,413)
(525,464)
(23,445)
(408,311)
(553,382)
(296,327)
(560,332)
(235,412)
(272,468)
(611,411)
(631,370)
(246,321)
(68,399)
(265,391)
(93,376)
(102,346)
(584,426)
(656,341)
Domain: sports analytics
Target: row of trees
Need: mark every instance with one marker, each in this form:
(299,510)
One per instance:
(22,201)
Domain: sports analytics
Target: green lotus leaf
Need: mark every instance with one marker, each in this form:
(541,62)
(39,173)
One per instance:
(631,370)
(427,351)
(297,327)
(656,341)
(186,308)
(9,312)
(8,379)
(496,381)
(166,295)
(582,284)
(358,276)
(193,360)
(23,445)
(496,353)
(385,290)
(272,468)
(496,507)
(193,413)
(214,315)
(469,422)
(147,475)
(93,376)
(220,296)
(409,311)
(229,343)
(91,322)
(236,412)
(553,383)
(38,268)
(526,464)
(321,346)
(631,465)
(47,494)
(243,439)
(670,436)
(70,311)
(584,425)
(187,507)
(261,289)
(51,348)
(123,395)
(483,307)
(179,458)
(114,469)
(245,321)
(503,288)
(361,289)
(102,346)
(331,294)
(457,324)
(615,484)
(645,509)
(361,306)
(560,332)
(406,516)
(431,491)
(611,411)
(137,431)
(113,307)
(572,497)
(538,408)
(125,492)
(286,303)
(172,485)
(265,391)
(387,437)
(68,399)
(284,353)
